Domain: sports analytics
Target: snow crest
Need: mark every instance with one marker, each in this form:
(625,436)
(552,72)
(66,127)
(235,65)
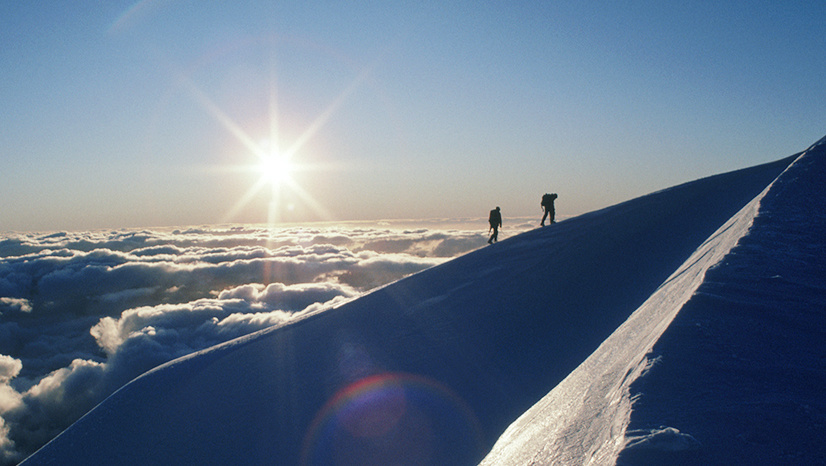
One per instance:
(583,419)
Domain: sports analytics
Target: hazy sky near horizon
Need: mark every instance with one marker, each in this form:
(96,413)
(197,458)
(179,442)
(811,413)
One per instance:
(151,113)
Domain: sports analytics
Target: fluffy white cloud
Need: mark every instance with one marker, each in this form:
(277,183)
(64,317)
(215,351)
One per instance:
(19,304)
(8,451)
(67,391)
(85,312)
(9,368)
(10,400)
(205,322)
(31,418)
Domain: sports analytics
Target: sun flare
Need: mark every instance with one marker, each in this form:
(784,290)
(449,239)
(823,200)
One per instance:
(281,172)
(276,168)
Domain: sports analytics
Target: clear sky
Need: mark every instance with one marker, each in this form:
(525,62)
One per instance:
(156,113)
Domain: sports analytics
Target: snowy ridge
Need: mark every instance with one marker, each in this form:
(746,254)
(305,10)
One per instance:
(583,419)
(433,369)
(742,366)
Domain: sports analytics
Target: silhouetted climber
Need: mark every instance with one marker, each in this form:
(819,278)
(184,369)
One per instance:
(495,221)
(548,204)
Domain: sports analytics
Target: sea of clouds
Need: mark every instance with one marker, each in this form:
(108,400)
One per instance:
(82,313)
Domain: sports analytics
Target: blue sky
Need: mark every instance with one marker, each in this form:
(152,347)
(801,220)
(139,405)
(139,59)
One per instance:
(125,114)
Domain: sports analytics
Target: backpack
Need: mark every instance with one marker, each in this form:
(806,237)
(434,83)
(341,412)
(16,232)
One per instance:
(495,217)
(548,199)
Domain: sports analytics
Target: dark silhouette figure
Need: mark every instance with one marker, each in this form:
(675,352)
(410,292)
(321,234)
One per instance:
(548,204)
(495,221)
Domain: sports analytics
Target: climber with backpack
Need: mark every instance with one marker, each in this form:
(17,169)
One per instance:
(548,205)
(495,220)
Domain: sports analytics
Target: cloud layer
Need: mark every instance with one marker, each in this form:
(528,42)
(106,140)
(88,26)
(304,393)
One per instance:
(83,313)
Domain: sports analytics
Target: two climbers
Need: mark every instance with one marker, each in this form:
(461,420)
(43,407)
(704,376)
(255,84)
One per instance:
(495,218)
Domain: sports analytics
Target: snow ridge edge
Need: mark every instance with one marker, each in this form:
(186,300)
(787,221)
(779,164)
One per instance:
(583,420)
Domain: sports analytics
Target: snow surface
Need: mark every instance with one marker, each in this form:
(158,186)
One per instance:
(746,356)
(549,332)
(583,420)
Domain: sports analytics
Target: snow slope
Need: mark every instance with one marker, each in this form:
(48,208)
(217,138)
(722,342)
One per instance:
(433,368)
(583,420)
(746,356)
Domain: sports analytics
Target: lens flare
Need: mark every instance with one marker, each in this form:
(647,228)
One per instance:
(393,418)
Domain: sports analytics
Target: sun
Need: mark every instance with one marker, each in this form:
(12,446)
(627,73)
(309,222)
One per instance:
(278,173)
(276,168)
(283,170)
